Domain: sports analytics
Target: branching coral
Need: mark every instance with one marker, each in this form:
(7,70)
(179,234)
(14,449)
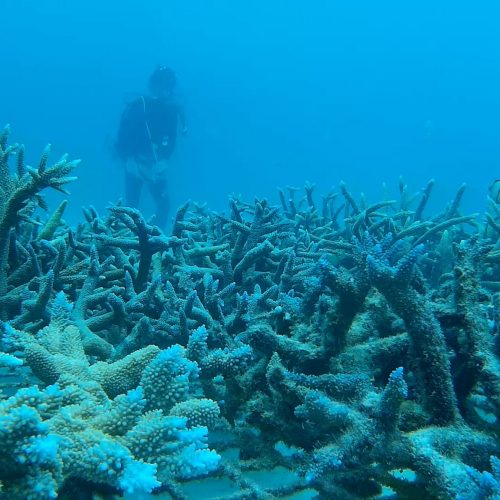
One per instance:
(343,341)
(20,193)
(72,431)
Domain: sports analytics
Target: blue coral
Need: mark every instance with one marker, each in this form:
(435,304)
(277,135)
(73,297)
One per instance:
(328,335)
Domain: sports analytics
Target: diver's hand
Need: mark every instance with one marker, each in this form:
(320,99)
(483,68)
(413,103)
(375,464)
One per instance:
(184,130)
(159,169)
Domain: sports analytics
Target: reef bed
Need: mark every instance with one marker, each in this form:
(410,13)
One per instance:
(354,347)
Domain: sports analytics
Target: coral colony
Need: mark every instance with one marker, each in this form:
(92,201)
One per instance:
(355,346)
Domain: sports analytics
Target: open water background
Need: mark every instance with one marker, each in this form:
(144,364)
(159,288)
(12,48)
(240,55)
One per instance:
(276,92)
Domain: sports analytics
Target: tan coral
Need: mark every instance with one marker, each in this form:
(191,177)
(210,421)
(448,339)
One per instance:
(199,412)
(125,374)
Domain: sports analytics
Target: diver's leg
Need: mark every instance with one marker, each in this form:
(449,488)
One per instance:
(158,189)
(133,188)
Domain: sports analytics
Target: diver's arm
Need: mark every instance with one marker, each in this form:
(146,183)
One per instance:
(128,131)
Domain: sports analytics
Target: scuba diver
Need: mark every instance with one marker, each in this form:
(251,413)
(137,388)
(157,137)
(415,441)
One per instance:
(146,139)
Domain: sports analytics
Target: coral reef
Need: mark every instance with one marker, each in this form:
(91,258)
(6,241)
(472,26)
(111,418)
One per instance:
(355,345)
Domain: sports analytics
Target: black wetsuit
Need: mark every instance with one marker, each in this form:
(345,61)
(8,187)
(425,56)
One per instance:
(147,134)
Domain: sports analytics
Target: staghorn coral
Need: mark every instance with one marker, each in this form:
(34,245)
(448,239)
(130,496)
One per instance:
(20,193)
(327,338)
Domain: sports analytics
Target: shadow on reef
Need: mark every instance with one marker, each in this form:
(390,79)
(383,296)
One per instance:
(356,345)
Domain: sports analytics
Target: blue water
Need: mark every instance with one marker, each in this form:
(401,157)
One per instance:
(276,93)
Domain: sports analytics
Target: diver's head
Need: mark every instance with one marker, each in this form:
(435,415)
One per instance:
(162,81)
